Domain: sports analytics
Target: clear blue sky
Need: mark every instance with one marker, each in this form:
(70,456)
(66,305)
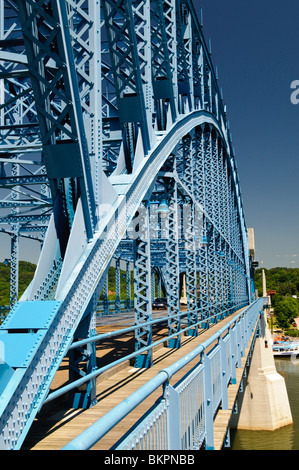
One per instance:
(255,45)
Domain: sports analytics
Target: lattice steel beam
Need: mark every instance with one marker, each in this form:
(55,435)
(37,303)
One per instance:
(191,268)
(172,267)
(51,63)
(128,27)
(164,62)
(142,287)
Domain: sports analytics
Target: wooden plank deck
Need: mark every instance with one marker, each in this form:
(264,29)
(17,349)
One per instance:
(57,425)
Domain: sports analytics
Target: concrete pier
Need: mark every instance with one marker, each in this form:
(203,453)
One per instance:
(264,404)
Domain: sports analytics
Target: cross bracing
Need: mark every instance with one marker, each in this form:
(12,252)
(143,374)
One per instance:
(109,109)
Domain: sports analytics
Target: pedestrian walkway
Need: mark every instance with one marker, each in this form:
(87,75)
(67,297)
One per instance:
(56,425)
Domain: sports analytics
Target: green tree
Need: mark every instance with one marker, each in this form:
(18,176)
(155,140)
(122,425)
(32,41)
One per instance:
(286,309)
(284,280)
(26,272)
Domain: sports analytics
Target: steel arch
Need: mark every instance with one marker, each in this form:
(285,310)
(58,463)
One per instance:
(122,106)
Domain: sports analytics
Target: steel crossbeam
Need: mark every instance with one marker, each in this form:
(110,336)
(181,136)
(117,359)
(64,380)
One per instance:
(106,105)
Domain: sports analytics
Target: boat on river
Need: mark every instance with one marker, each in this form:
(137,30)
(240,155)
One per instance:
(285,347)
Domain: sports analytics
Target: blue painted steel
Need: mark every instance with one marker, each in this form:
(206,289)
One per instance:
(105,106)
(142,288)
(209,411)
(173,417)
(101,337)
(95,432)
(172,268)
(82,361)
(30,315)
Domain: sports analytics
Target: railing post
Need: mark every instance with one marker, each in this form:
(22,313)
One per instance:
(246,328)
(238,352)
(173,418)
(242,336)
(223,368)
(233,352)
(208,389)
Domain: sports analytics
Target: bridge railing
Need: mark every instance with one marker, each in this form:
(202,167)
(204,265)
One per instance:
(111,306)
(183,419)
(203,322)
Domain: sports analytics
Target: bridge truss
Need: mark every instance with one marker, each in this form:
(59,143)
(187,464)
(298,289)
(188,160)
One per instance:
(115,146)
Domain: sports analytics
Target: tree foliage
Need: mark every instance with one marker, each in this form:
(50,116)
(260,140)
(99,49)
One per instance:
(286,310)
(26,272)
(285,281)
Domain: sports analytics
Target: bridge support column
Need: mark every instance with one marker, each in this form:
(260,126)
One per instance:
(264,405)
(159,287)
(105,297)
(191,273)
(82,361)
(172,270)
(128,286)
(142,288)
(117,285)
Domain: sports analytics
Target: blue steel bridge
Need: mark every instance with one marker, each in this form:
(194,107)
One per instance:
(116,151)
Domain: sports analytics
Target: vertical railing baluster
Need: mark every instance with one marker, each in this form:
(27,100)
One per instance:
(173,418)
(223,371)
(208,387)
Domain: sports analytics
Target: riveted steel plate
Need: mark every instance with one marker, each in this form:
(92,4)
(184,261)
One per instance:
(31,315)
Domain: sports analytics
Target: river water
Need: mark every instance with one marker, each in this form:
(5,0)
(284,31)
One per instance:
(286,438)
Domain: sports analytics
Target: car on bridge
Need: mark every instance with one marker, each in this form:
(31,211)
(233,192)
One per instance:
(160,303)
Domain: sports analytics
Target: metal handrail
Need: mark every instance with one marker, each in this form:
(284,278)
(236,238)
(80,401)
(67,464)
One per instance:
(92,375)
(96,431)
